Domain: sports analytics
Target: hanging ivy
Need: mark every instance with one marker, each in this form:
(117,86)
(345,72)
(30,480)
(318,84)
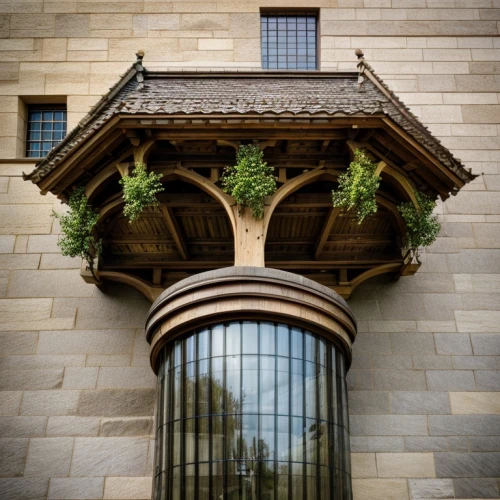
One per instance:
(77,226)
(421,225)
(250,180)
(357,187)
(139,191)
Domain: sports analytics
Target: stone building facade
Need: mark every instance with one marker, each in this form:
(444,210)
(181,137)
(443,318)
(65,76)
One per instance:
(77,391)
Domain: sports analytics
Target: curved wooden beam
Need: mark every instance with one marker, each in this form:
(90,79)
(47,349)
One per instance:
(210,188)
(403,182)
(376,271)
(95,183)
(345,290)
(150,292)
(394,210)
(109,208)
(287,189)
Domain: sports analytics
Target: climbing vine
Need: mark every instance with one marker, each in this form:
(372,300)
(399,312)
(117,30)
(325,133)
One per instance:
(77,226)
(139,191)
(357,187)
(421,225)
(250,180)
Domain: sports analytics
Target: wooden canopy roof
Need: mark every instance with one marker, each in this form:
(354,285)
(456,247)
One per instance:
(187,126)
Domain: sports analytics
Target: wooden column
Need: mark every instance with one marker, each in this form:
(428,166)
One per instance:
(249,239)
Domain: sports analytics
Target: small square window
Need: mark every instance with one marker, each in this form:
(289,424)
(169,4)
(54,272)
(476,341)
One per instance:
(297,38)
(46,129)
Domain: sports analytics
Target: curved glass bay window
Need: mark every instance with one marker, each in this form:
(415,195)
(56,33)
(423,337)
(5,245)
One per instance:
(252,410)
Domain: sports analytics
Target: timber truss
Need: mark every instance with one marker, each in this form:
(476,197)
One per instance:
(179,126)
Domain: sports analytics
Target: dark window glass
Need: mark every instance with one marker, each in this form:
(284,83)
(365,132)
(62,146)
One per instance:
(46,129)
(252,410)
(291,37)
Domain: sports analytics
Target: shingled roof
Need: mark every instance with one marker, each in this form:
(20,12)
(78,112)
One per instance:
(251,94)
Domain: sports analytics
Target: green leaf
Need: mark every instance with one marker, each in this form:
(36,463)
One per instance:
(139,191)
(250,180)
(358,186)
(421,225)
(77,226)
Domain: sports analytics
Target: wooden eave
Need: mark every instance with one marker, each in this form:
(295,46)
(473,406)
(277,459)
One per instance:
(235,127)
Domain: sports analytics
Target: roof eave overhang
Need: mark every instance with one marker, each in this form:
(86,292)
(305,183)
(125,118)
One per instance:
(119,124)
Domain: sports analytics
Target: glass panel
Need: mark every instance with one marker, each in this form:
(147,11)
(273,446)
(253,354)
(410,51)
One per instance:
(266,439)
(250,384)
(283,340)
(189,440)
(267,338)
(297,389)
(267,384)
(203,439)
(297,343)
(217,341)
(190,483)
(250,338)
(249,436)
(283,386)
(217,438)
(269,424)
(297,481)
(233,384)
(233,339)
(217,386)
(283,438)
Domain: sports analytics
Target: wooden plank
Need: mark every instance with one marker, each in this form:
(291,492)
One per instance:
(325,232)
(175,231)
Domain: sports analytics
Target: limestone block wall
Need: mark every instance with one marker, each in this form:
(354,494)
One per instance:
(76,390)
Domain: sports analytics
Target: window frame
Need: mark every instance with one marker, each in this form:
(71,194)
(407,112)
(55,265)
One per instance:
(32,107)
(291,12)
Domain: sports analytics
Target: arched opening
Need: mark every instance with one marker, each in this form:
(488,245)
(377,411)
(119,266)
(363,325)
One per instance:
(307,235)
(189,232)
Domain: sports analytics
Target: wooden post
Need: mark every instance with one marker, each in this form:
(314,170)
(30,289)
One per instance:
(249,239)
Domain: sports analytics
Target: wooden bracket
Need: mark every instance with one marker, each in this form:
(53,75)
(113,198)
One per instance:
(141,151)
(325,232)
(175,231)
(123,168)
(381,165)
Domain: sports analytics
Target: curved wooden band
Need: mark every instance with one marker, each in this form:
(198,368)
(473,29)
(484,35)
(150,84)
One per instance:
(246,293)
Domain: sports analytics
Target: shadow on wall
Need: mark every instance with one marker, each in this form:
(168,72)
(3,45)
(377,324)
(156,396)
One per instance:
(114,305)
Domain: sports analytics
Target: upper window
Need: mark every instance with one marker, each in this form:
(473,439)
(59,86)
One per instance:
(46,129)
(289,40)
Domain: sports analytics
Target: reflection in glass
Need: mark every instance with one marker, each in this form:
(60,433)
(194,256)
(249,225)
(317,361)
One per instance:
(252,410)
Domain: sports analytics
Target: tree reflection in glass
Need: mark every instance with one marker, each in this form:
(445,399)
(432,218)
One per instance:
(252,410)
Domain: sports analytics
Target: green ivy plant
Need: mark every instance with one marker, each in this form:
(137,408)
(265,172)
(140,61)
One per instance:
(77,227)
(250,180)
(357,187)
(421,225)
(139,191)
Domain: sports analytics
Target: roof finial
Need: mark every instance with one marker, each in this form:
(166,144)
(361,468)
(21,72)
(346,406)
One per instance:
(361,67)
(138,66)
